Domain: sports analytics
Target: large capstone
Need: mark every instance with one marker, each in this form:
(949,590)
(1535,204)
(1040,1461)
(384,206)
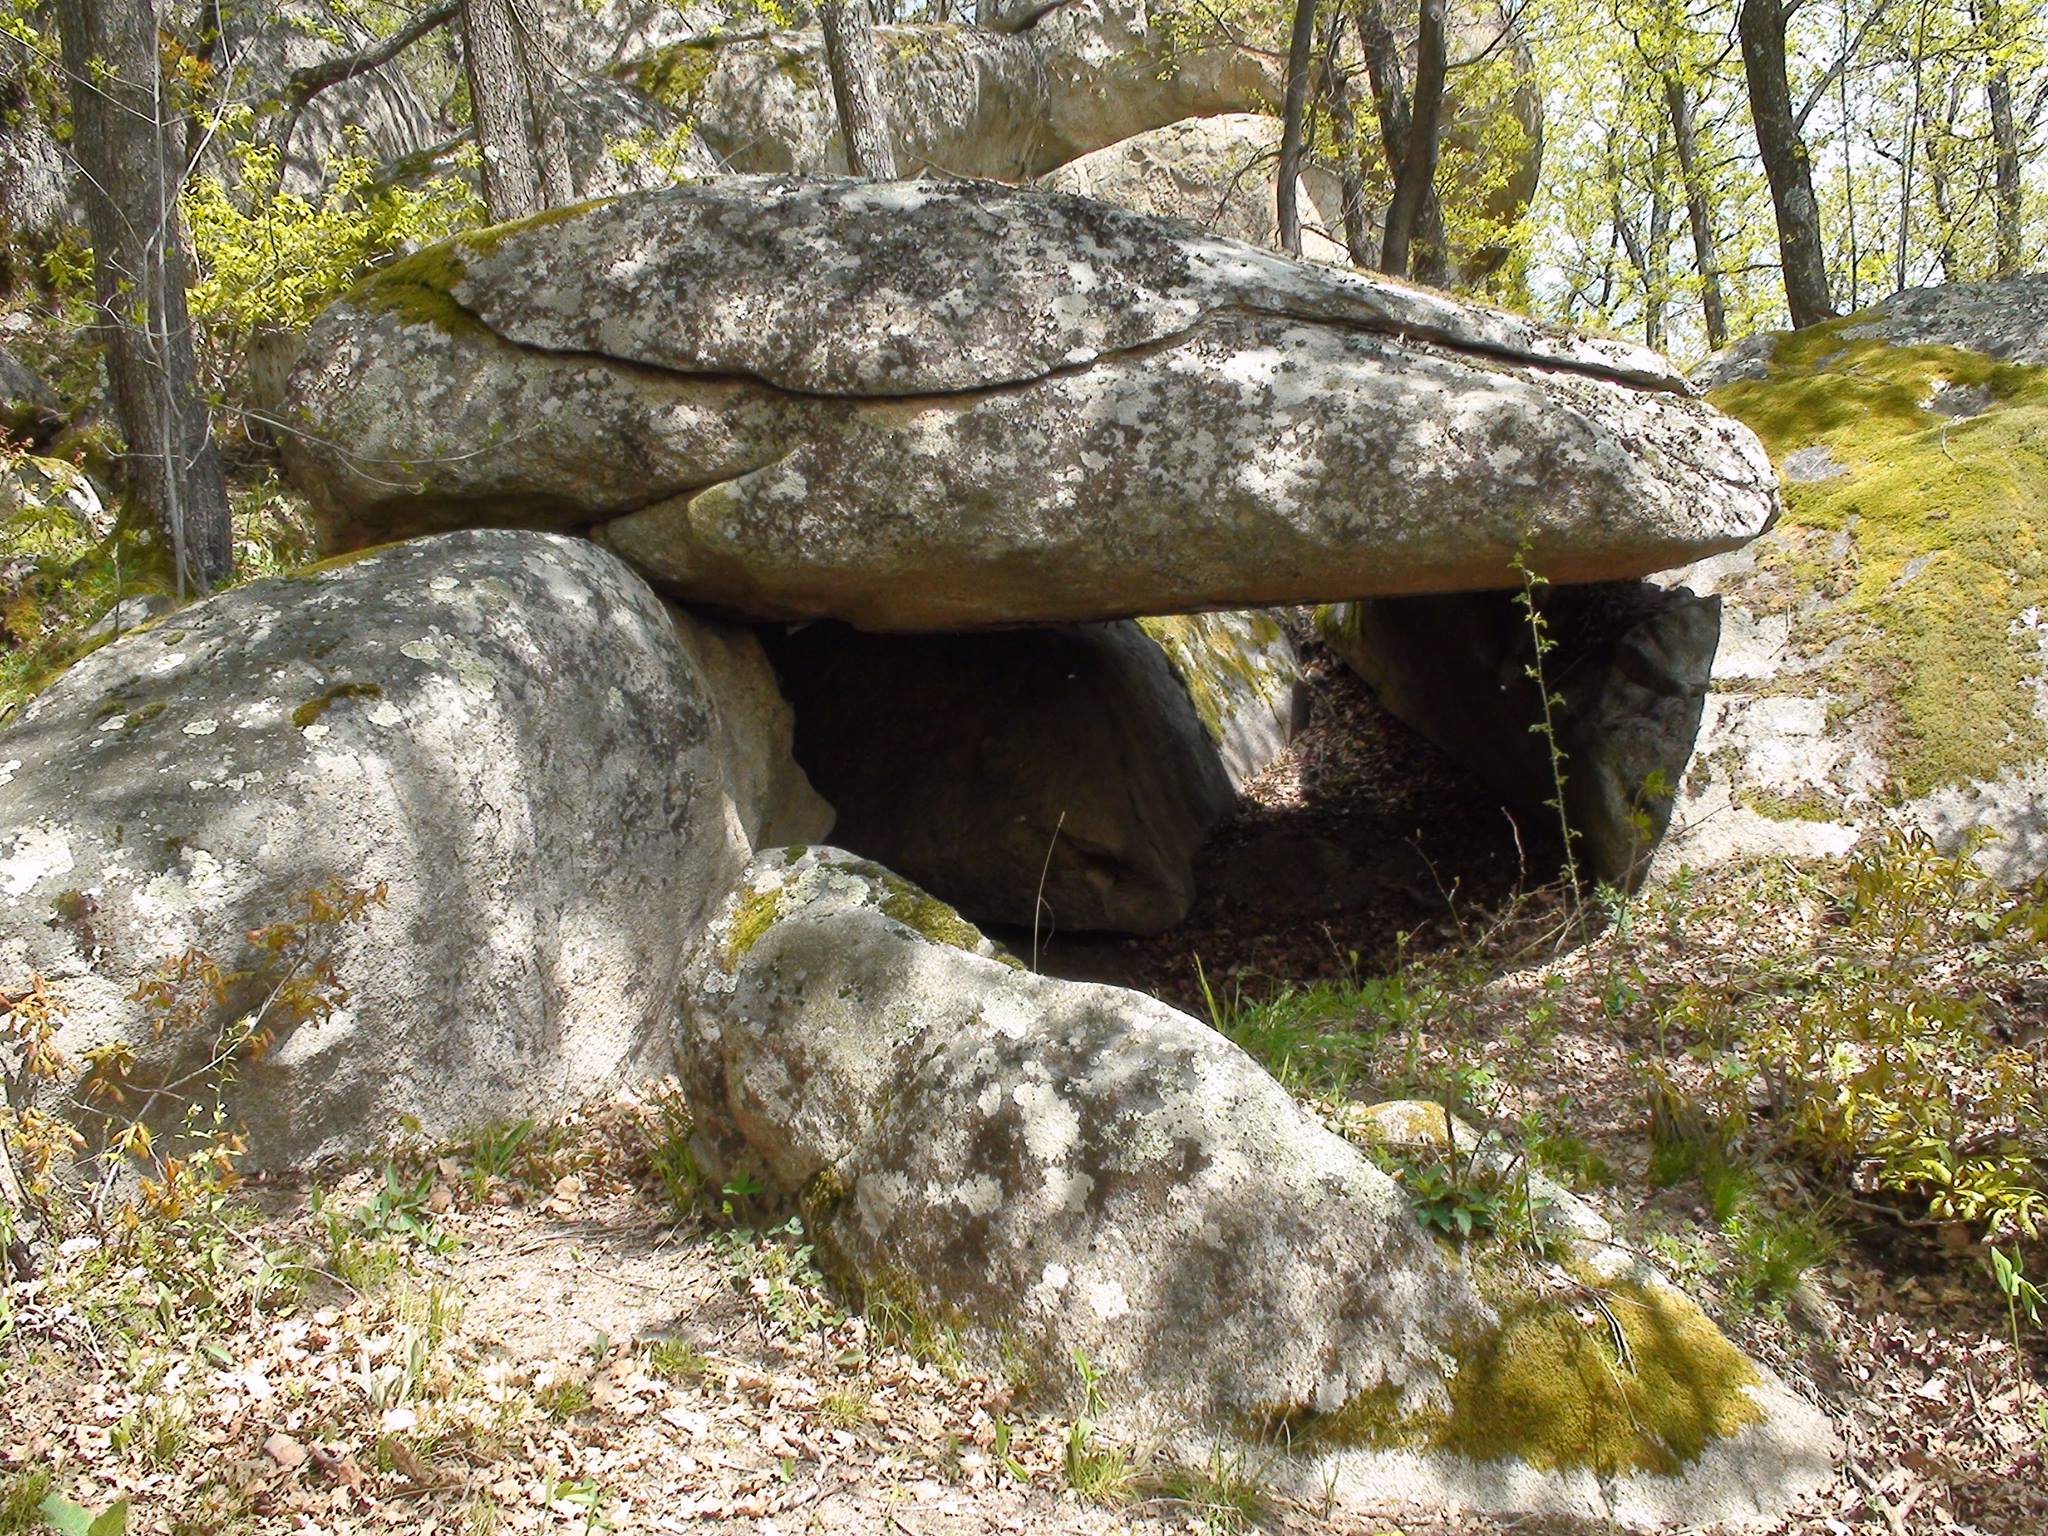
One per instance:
(922,406)
(555,777)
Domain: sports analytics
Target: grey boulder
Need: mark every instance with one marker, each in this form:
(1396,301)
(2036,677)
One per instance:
(28,406)
(920,406)
(1060,778)
(1058,1170)
(1050,1165)
(556,777)
(1217,173)
(959,101)
(1627,671)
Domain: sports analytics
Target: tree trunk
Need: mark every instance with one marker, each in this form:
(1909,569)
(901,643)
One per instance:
(1293,114)
(1336,92)
(518,131)
(857,88)
(1388,78)
(1761,24)
(1415,184)
(1657,249)
(2006,196)
(123,137)
(1699,211)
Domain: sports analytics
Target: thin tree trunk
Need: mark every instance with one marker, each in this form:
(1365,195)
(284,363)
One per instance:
(1336,91)
(2007,199)
(497,100)
(1849,169)
(123,136)
(1912,147)
(856,73)
(1415,184)
(1657,266)
(1699,211)
(1293,114)
(1761,24)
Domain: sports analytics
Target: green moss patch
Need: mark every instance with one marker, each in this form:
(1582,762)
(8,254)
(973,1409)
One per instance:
(926,914)
(1207,657)
(1934,539)
(753,917)
(320,703)
(1617,1378)
(420,288)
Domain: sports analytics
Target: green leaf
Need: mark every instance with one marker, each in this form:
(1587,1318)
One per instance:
(76,1520)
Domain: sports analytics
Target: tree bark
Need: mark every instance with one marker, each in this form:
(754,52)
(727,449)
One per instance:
(1415,184)
(1699,211)
(857,88)
(1336,92)
(123,135)
(1388,78)
(1761,25)
(2006,196)
(1293,115)
(518,131)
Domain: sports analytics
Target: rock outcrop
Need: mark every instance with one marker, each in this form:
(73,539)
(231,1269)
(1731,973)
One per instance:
(1059,778)
(556,777)
(961,101)
(1215,172)
(376,114)
(29,410)
(1053,1168)
(1884,654)
(1626,670)
(945,406)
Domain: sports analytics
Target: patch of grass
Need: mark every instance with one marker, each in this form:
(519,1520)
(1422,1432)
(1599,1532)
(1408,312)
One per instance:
(1223,1496)
(846,1407)
(676,1360)
(563,1399)
(21,1498)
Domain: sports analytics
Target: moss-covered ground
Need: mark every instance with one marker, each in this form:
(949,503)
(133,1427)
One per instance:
(1932,553)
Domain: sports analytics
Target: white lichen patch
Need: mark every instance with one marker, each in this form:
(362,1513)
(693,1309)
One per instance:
(1051,1128)
(38,852)
(204,726)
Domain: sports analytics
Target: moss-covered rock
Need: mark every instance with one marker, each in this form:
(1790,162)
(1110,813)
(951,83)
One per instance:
(1889,646)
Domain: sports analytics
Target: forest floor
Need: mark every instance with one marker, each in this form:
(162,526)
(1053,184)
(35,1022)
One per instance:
(526,1333)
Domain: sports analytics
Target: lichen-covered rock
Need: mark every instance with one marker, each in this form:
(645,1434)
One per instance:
(2004,318)
(1054,1165)
(376,114)
(1243,676)
(1884,654)
(946,406)
(1063,778)
(959,101)
(1627,674)
(509,730)
(1051,1167)
(1215,172)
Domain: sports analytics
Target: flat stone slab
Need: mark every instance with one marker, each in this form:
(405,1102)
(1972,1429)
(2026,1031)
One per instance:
(928,406)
